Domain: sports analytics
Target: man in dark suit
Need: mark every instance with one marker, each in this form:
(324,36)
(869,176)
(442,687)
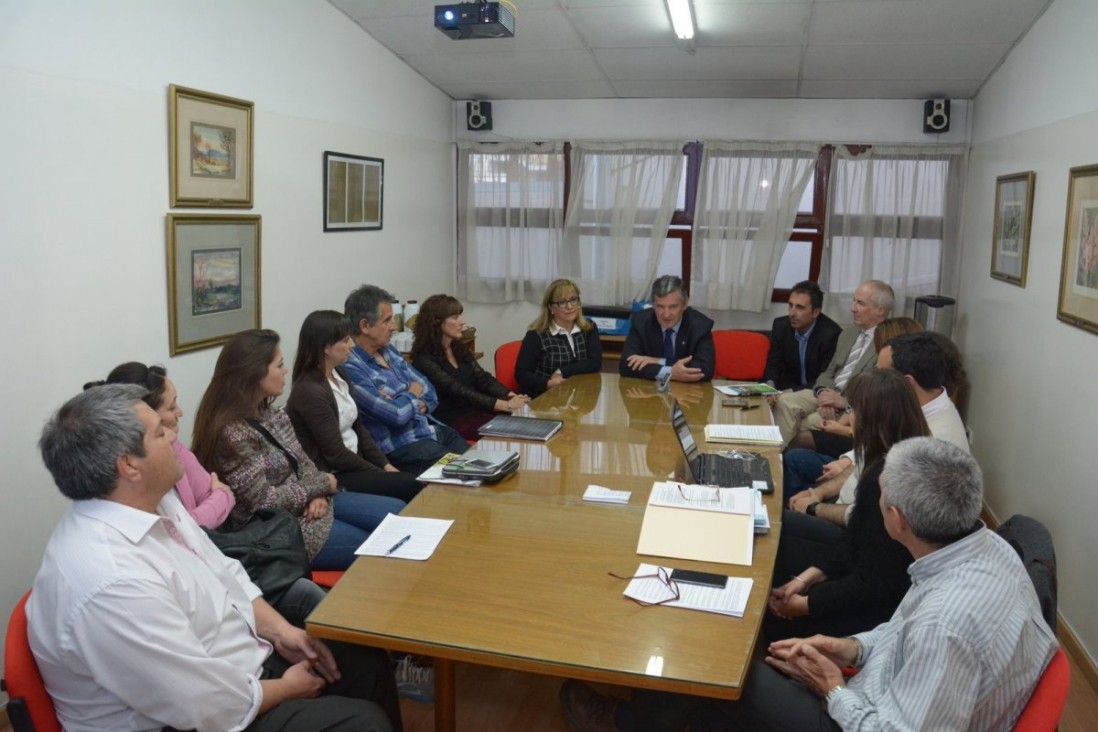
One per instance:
(801,343)
(669,338)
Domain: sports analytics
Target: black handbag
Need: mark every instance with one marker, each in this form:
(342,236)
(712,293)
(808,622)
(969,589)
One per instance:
(270,547)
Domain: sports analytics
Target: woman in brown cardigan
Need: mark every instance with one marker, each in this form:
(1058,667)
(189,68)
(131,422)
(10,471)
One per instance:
(468,396)
(325,418)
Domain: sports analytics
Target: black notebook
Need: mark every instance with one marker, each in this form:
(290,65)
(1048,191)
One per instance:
(523,428)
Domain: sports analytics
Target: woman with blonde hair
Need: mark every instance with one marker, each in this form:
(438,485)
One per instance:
(468,396)
(561,342)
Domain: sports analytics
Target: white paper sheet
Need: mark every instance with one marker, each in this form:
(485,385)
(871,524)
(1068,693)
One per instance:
(600,494)
(702,497)
(424,535)
(728,600)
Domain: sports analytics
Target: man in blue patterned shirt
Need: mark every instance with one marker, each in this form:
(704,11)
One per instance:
(394,400)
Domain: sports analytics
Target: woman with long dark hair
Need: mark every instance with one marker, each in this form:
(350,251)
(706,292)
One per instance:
(561,342)
(468,396)
(253,447)
(325,417)
(857,584)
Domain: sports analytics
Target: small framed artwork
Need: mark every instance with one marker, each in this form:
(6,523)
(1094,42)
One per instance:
(213,279)
(1079,272)
(353,192)
(1013,217)
(210,155)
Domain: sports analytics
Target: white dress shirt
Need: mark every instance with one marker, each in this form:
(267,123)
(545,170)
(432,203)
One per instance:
(138,622)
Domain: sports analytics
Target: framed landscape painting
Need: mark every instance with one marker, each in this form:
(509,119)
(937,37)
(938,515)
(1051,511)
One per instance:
(210,155)
(1079,270)
(353,192)
(1013,220)
(213,279)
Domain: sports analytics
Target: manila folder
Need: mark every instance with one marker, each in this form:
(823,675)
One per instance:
(706,536)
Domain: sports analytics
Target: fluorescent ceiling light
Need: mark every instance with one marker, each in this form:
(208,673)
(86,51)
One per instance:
(682,18)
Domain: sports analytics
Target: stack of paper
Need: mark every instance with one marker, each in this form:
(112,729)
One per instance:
(599,494)
(434,474)
(728,600)
(702,523)
(755,434)
(746,390)
(762,518)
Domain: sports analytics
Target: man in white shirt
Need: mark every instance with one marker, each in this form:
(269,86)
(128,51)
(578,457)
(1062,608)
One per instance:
(138,622)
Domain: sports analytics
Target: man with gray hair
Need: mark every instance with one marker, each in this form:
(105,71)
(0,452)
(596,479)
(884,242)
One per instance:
(138,622)
(854,354)
(394,400)
(964,650)
(670,339)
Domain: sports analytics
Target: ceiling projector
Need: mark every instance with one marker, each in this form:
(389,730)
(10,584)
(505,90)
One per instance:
(475,20)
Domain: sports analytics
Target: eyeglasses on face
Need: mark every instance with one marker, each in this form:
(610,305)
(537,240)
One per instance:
(569,303)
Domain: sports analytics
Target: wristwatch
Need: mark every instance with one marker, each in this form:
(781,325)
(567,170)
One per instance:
(833,692)
(810,509)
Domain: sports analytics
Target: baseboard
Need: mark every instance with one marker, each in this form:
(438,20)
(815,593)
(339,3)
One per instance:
(1068,640)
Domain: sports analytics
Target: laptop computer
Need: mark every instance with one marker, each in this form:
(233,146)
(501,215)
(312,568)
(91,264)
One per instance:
(724,471)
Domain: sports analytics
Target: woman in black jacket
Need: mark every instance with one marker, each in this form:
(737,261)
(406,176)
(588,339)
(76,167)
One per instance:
(560,342)
(468,396)
(325,419)
(862,583)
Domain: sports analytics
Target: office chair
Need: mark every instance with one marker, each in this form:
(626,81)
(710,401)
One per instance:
(741,354)
(1043,710)
(30,708)
(506,356)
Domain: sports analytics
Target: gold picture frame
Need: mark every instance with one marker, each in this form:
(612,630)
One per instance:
(210,149)
(1013,222)
(354,192)
(1078,303)
(213,279)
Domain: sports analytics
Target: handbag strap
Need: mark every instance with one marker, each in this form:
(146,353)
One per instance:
(290,457)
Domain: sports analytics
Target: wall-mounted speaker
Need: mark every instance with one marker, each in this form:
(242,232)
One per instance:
(936,115)
(478,115)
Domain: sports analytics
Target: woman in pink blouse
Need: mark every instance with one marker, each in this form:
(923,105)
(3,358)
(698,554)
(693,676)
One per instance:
(207,499)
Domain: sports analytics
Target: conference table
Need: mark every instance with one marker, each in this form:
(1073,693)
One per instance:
(521,580)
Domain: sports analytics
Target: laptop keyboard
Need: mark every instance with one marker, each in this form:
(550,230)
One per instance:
(724,472)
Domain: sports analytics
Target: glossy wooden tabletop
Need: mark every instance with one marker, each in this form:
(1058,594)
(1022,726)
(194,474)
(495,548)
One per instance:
(520,581)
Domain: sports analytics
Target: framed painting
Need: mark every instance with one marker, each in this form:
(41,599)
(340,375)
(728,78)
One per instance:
(213,279)
(210,155)
(1013,218)
(353,192)
(1078,303)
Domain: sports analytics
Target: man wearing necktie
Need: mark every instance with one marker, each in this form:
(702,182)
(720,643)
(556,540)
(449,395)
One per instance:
(669,338)
(854,354)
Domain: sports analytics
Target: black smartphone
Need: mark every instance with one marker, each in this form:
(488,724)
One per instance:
(692,577)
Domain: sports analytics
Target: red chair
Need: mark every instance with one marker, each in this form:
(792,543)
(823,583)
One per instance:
(741,354)
(1046,704)
(327,577)
(506,356)
(30,708)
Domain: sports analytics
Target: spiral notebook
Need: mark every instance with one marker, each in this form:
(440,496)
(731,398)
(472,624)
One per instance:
(523,428)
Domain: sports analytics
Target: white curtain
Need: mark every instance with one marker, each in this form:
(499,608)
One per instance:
(509,219)
(748,196)
(621,201)
(895,215)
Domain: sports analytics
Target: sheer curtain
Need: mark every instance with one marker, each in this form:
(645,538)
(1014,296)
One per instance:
(509,219)
(620,204)
(748,196)
(895,215)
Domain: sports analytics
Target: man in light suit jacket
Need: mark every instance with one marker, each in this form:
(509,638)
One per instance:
(669,338)
(854,353)
(801,343)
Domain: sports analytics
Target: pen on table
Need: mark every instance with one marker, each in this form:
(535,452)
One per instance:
(398,545)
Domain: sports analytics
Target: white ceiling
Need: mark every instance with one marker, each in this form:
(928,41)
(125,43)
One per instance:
(839,49)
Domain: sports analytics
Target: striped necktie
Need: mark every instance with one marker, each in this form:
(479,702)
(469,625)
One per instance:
(852,360)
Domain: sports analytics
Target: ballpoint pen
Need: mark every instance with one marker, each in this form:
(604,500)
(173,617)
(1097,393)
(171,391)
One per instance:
(398,545)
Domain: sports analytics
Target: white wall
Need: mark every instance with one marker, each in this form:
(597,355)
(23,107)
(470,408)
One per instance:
(1034,394)
(84,193)
(823,120)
